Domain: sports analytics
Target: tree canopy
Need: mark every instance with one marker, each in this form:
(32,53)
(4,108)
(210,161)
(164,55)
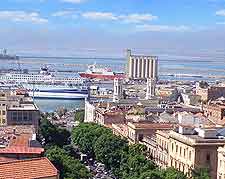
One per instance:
(67,165)
(53,135)
(126,161)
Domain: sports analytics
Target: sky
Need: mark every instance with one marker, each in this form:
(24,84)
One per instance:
(108,27)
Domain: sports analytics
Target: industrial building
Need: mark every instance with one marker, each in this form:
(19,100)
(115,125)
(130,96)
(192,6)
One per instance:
(141,66)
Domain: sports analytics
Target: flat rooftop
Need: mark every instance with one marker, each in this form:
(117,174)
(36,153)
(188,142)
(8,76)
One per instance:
(196,139)
(28,107)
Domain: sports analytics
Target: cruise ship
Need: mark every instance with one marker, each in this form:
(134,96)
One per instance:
(43,77)
(94,72)
(50,91)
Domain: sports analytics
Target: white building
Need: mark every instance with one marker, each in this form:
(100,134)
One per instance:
(151,85)
(118,90)
(142,67)
(89,115)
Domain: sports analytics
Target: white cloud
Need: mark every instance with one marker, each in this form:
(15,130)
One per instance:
(130,18)
(137,18)
(220,12)
(22,16)
(65,13)
(99,16)
(74,1)
(220,23)
(162,28)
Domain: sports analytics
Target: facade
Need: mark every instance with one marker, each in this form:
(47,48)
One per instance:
(17,109)
(24,114)
(117,89)
(137,130)
(151,85)
(185,150)
(89,115)
(141,67)
(221,163)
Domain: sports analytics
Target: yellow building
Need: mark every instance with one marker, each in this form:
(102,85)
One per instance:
(221,163)
(186,150)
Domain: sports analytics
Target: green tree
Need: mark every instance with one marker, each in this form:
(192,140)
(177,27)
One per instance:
(172,173)
(79,116)
(85,135)
(137,149)
(136,165)
(200,173)
(108,150)
(68,166)
(53,135)
(154,174)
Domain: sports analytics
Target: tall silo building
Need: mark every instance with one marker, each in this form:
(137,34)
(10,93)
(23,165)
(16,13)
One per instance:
(141,66)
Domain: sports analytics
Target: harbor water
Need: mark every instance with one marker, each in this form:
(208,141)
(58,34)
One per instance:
(197,68)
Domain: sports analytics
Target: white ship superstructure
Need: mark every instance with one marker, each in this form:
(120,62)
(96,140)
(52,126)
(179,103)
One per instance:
(43,77)
(56,91)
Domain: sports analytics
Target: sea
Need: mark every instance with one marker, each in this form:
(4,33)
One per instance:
(193,68)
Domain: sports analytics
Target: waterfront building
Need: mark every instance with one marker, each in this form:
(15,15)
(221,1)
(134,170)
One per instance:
(141,66)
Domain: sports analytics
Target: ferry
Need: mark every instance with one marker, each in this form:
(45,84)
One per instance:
(44,76)
(50,91)
(94,72)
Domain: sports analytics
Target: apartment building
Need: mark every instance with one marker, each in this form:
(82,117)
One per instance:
(17,109)
(186,150)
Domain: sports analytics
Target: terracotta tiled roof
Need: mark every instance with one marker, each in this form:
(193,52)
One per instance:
(28,169)
(21,150)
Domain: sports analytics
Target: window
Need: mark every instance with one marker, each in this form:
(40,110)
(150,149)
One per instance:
(14,116)
(172,147)
(140,137)
(184,152)
(180,151)
(3,112)
(208,157)
(189,155)
(176,148)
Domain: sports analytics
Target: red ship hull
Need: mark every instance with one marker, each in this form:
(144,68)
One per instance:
(100,76)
